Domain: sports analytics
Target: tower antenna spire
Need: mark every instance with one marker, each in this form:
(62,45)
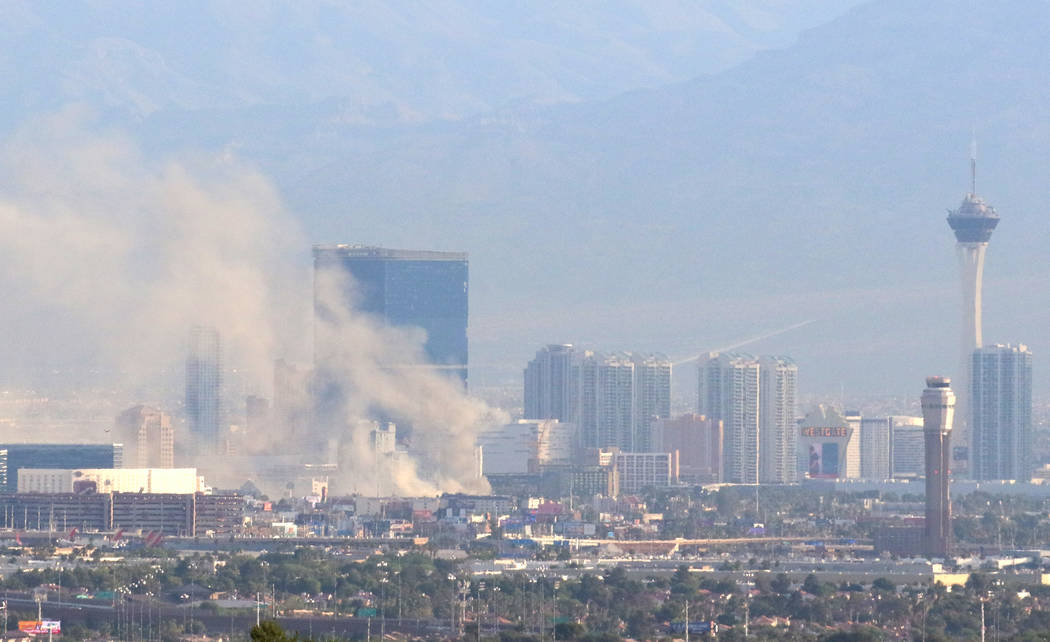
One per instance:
(973,163)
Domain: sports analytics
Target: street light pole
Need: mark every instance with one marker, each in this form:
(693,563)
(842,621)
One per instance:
(686,619)
(382,607)
(982,619)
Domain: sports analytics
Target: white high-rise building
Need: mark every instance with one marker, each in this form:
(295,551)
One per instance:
(728,390)
(606,400)
(909,447)
(151,432)
(613,398)
(1001,412)
(652,399)
(550,389)
(778,428)
(876,447)
(756,401)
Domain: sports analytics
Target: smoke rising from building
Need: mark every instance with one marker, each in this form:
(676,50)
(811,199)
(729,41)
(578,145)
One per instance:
(381,370)
(122,255)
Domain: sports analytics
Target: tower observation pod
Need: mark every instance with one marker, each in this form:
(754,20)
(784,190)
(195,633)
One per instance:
(938,408)
(973,224)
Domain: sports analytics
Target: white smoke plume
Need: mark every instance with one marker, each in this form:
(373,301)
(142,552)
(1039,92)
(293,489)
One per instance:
(108,257)
(129,253)
(379,369)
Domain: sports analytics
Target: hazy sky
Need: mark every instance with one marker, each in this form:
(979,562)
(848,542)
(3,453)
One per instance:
(629,175)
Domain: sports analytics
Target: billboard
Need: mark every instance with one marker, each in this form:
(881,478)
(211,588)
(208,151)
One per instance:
(700,628)
(824,460)
(40,627)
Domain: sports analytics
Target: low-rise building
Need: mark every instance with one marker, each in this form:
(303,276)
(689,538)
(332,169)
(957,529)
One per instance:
(638,471)
(109,480)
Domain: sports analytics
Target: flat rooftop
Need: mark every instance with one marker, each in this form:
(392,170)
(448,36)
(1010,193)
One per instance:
(373,252)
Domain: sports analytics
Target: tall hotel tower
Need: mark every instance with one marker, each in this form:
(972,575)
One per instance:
(938,407)
(204,388)
(550,388)
(973,224)
(1001,413)
(416,288)
(755,399)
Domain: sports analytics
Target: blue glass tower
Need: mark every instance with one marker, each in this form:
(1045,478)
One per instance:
(421,289)
(204,371)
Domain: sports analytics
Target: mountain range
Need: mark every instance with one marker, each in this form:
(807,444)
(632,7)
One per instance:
(624,176)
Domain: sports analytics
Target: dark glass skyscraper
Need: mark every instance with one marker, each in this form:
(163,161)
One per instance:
(204,388)
(421,289)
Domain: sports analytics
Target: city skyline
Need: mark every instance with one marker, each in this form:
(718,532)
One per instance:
(524,321)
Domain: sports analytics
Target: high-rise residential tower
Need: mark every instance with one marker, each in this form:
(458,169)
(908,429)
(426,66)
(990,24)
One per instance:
(973,224)
(938,408)
(728,391)
(1001,412)
(606,399)
(204,371)
(421,289)
(613,398)
(550,389)
(909,458)
(151,433)
(619,397)
(778,428)
(876,447)
(652,399)
(756,401)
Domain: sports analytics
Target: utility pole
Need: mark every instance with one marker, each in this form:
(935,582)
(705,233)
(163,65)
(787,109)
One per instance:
(258,605)
(687,619)
(382,607)
(982,619)
(747,615)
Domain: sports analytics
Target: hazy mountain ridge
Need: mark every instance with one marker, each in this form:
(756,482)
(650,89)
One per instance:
(383,62)
(809,182)
(816,175)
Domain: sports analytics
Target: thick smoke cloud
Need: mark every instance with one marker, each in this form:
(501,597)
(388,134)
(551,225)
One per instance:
(377,371)
(109,257)
(126,253)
